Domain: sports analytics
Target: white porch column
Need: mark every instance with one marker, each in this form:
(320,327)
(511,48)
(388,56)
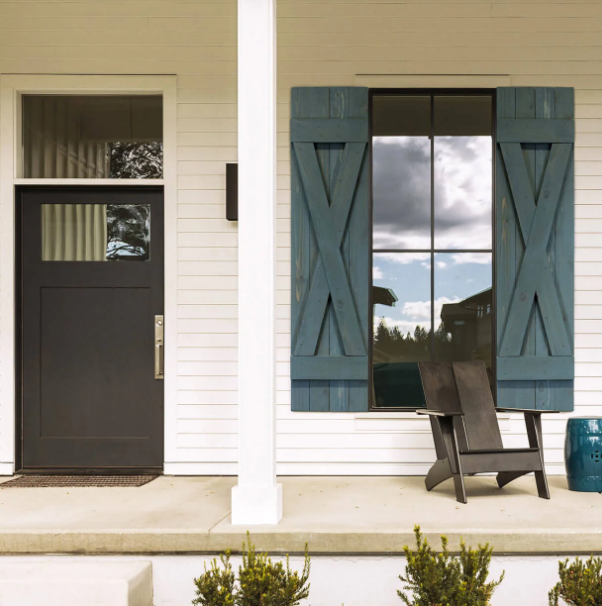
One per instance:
(257,499)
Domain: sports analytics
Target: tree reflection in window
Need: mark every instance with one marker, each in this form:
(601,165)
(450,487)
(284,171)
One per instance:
(128,232)
(135,160)
(391,344)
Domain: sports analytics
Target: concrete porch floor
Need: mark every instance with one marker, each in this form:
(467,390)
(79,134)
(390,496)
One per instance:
(334,515)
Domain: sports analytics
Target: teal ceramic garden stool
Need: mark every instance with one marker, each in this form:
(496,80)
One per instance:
(583,454)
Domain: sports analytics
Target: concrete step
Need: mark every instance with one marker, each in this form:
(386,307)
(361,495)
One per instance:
(92,583)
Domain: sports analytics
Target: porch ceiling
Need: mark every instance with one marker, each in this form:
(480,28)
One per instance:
(346,515)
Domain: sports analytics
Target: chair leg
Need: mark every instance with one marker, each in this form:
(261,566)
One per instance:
(460,488)
(535,434)
(542,485)
(438,473)
(505,477)
(455,461)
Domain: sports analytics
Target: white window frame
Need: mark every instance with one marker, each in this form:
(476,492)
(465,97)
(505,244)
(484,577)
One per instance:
(12,88)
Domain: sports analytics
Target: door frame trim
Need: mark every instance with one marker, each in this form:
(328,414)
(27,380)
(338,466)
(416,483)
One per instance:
(12,87)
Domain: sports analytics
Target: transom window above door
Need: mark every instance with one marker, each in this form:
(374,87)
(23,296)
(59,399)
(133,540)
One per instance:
(432,237)
(92,137)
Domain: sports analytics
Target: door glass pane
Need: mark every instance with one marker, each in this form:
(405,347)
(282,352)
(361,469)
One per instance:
(463,307)
(93,137)
(95,232)
(401,295)
(401,156)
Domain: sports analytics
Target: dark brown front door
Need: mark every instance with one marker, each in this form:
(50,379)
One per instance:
(91,285)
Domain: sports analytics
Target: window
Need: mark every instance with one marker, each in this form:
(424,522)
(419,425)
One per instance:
(92,137)
(96,232)
(431,237)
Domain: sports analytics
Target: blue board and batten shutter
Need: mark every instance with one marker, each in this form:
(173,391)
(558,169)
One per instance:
(330,242)
(535,248)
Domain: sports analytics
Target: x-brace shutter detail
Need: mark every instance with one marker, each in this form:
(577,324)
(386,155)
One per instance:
(535,278)
(535,247)
(330,276)
(330,249)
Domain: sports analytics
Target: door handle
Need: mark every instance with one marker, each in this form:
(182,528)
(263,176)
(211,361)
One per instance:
(159,353)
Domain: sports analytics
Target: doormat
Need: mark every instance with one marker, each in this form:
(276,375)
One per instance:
(78,481)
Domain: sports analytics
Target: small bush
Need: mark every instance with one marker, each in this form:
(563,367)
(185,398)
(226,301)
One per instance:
(215,587)
(263,583)
(440,579)
(580,583)
(260,582)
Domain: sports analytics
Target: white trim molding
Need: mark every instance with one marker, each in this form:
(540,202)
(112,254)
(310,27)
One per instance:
(257,499)
(12,87)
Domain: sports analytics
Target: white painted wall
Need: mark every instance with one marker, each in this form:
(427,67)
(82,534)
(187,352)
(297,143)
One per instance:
(320,42)
(336,581)
(442,43)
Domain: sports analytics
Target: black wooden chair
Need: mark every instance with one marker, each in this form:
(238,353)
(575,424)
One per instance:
(466,432)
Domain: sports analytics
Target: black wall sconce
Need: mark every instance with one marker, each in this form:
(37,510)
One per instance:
(232,192)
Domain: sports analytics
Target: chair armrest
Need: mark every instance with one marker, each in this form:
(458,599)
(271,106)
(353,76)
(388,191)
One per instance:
(440,413)
(531,411)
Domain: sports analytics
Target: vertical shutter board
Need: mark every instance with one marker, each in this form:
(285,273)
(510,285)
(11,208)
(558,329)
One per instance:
(512,103)
(561,393)
(357,239)
(339,390)
(304,102)
(557,103)
(319,391)
(327,395)
(510,394)
(525,108)
(564,231)
(538,103)
(299,255)
(544,108)
(524,391)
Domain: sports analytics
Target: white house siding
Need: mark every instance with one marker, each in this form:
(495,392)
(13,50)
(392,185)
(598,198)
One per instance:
(195,40)
(456,44)
(321,43)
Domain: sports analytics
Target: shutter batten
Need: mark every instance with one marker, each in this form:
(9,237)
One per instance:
(330,242)
(535,248)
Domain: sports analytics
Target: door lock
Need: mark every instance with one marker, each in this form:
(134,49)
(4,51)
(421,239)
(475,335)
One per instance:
(159,349)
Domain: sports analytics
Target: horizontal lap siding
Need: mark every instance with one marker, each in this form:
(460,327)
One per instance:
(197,42)
(320,43)
(349,42)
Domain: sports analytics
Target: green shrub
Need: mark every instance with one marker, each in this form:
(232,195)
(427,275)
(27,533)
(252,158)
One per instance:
(215,587)
(264,583)
(580,583)
(440,579)
(260,582)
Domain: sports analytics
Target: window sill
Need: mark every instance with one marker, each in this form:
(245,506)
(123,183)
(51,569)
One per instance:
(393,414)
(405,422)
(397,414)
